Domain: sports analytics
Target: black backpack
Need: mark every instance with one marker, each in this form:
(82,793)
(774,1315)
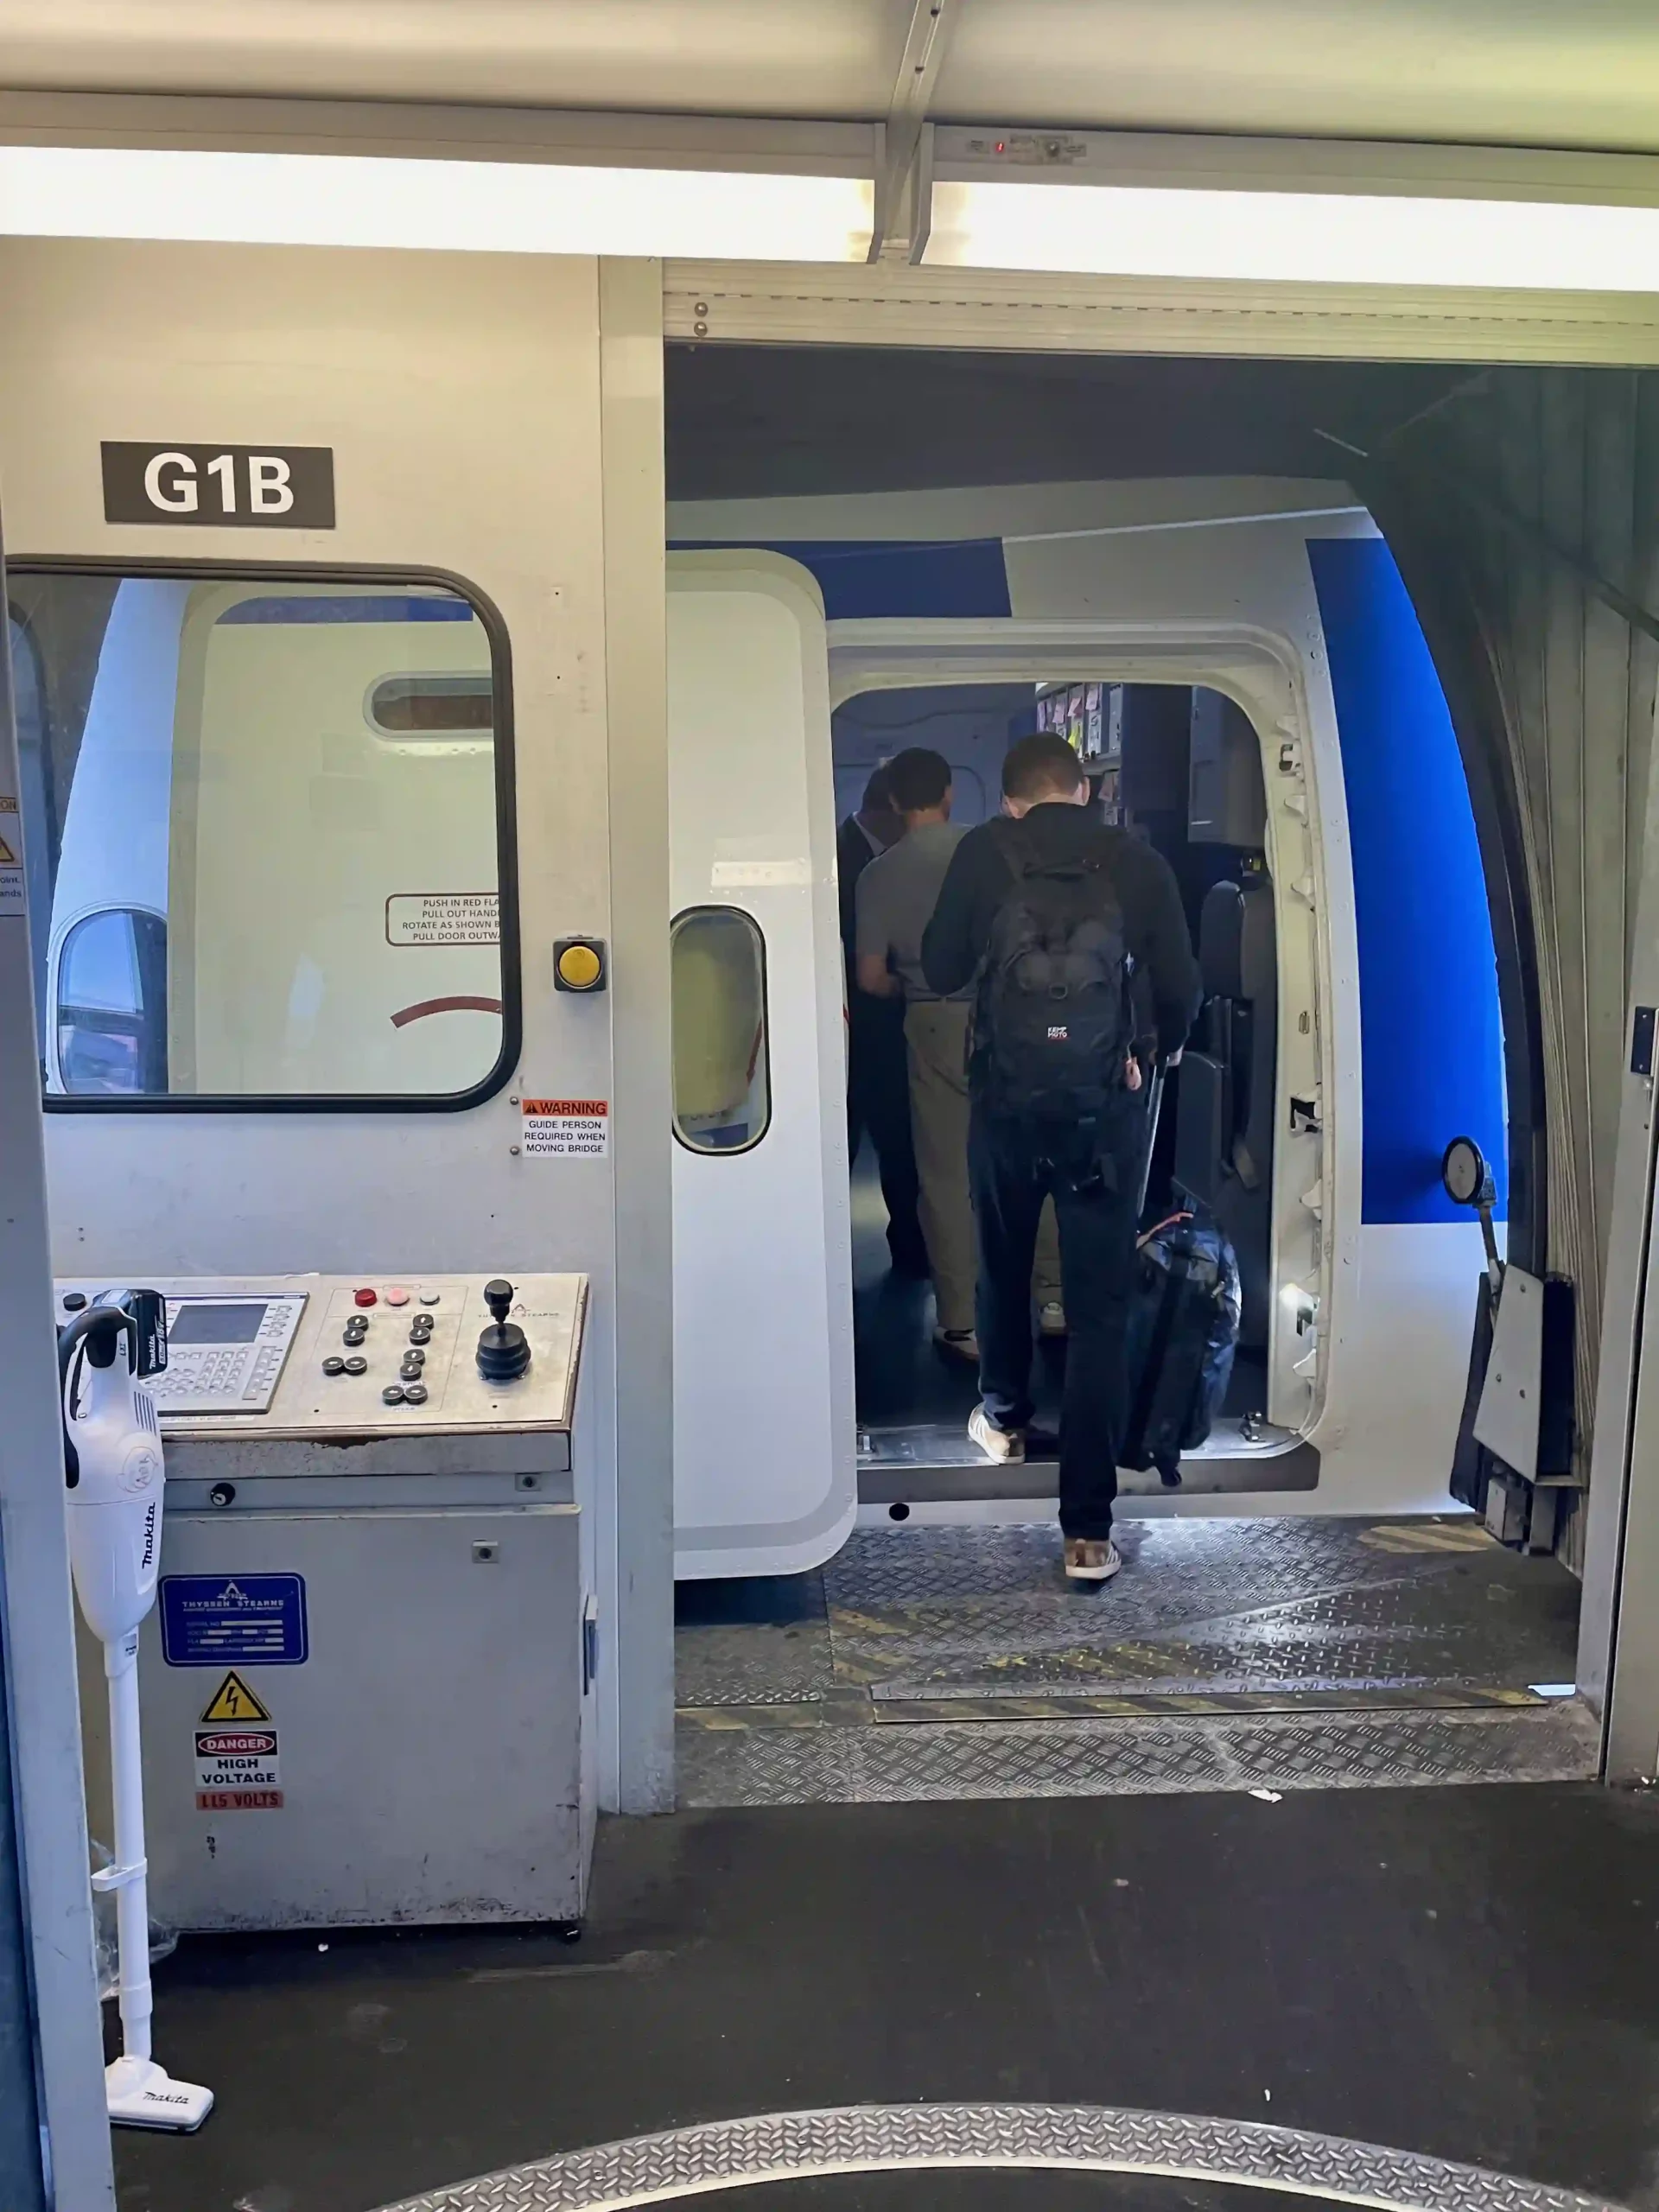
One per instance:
(1052,1025)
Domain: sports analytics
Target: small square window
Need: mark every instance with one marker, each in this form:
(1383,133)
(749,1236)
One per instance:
(274,809)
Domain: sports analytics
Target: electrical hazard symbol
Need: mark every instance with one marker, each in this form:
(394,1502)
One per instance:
(11,867)
(234,1701)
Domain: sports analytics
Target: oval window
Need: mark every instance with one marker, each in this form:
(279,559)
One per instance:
(433,706)
(112,1005)
(723,1087)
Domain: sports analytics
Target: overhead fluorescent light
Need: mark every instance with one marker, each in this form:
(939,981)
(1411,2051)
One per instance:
(483,206)
(1278,211)
(1293,237)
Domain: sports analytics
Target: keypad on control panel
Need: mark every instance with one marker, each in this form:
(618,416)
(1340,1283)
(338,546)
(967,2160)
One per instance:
(234,1378)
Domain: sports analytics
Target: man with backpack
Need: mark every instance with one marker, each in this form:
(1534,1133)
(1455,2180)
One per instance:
(1053,917)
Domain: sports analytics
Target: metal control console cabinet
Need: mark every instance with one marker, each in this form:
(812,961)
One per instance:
(366,1679)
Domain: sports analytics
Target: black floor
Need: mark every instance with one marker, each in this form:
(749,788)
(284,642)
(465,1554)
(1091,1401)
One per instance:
(902,1378)
(1470,1972)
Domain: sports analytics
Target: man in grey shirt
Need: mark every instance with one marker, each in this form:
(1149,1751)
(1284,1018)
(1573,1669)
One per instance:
(896,893)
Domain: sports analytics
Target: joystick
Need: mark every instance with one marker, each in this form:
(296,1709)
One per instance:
(502,1348)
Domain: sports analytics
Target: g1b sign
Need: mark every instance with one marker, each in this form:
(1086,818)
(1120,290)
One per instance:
(235,487)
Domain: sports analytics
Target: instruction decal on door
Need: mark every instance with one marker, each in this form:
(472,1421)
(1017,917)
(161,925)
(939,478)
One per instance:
(210,1620)
(11,859)
(238,1770)
(234,1701)
(444,918)
(759,875)
(567,1129)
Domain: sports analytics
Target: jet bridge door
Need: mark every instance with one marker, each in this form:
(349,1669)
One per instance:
(764,1466)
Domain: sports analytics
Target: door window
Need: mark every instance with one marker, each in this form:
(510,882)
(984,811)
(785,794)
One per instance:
(722,1090)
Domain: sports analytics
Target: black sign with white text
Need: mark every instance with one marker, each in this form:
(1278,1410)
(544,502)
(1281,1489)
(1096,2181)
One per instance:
(236,487)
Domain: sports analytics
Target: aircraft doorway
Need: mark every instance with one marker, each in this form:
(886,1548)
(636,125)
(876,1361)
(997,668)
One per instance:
(1179,766)
(1238,662)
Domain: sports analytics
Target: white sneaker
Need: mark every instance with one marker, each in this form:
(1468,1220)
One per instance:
(1051,1319)
(1091,1560)
(1007,1445)
(958,1343)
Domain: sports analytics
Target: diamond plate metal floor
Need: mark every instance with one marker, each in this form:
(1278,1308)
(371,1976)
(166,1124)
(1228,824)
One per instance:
(934,2140)
(1273,1654)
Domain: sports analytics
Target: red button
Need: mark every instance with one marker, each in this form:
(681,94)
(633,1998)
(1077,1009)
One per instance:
(366,1298)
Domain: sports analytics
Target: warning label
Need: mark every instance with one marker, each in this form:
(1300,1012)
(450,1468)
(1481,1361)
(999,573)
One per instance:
(11,858)
(567,1129)
(444,918)
(237,1771)
(234,1701)
(236,1743)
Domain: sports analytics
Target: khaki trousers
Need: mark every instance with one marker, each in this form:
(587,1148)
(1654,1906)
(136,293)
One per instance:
(935,1039)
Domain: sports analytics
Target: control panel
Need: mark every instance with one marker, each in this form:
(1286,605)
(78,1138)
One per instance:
(320,1356)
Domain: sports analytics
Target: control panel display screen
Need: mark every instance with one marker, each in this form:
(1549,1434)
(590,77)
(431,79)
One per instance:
(196,1324)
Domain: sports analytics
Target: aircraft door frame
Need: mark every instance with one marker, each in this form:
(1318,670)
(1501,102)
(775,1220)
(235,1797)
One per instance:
(1262,674)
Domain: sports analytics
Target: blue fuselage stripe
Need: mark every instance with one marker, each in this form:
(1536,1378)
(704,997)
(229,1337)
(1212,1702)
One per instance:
(1430,1041)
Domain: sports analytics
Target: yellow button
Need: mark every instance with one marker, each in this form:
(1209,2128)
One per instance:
(579,967)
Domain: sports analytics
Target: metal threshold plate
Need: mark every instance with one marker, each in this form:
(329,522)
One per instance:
(781,2147)
(808,1762)
(927,1462)
(858,1708)
(1268,1655)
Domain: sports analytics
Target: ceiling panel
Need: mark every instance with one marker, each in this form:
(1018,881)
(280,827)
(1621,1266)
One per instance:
(1541,73)
(1537,73)
(832,57)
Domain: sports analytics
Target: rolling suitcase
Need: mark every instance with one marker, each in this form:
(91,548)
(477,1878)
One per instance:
(1183,1333)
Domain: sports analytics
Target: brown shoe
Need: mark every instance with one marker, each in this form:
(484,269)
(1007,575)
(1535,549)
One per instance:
(1088,1558)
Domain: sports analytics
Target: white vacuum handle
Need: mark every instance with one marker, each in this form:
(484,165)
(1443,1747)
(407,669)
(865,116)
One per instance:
(113,1471)
(116,1489)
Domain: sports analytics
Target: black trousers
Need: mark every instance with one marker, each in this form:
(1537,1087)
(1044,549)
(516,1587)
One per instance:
(877,1101)
(1095,1188)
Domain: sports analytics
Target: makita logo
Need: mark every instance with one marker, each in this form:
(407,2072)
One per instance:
(1058,1032)
(149,1536)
